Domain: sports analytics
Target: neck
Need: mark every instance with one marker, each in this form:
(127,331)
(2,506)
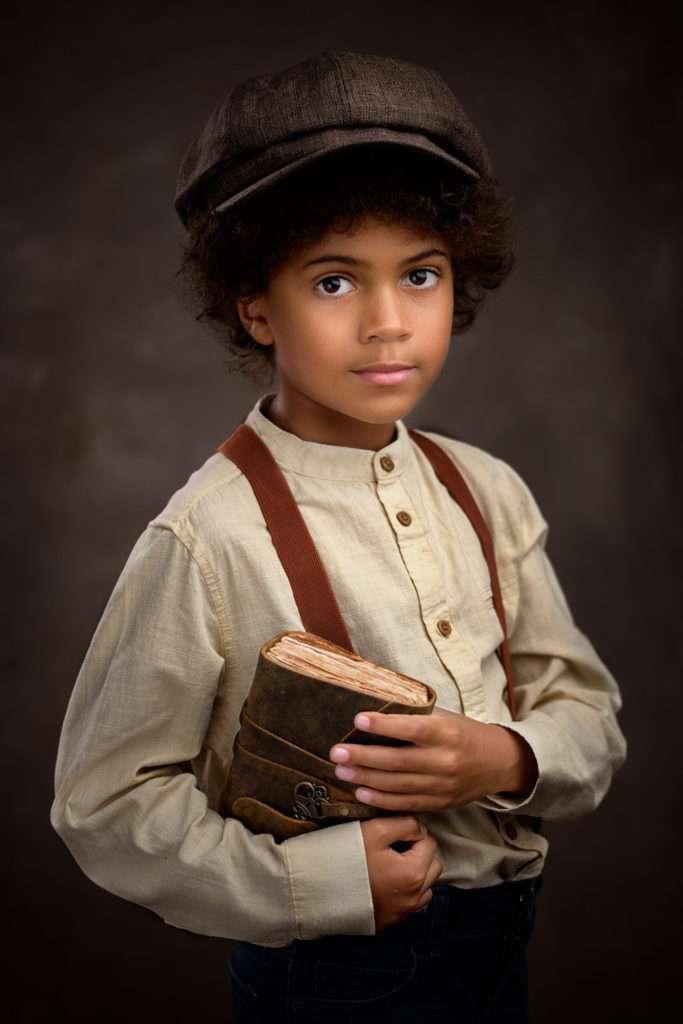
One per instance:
(347,434)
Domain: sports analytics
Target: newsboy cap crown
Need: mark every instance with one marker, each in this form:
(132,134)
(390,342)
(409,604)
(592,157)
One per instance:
(271,125)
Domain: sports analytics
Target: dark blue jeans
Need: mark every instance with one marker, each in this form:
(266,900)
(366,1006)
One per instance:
(460,959)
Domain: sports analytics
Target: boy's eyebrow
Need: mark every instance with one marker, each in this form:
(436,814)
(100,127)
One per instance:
(334,258)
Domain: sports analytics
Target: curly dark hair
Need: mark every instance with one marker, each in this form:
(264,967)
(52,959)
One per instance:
(233,254)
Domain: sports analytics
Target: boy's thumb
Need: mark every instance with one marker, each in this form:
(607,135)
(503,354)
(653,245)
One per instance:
(404,826)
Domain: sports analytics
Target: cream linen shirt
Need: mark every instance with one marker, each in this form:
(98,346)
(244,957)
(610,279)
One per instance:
(173,656)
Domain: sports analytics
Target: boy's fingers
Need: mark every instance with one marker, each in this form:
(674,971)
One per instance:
(414,728)
(403,783)
(431,877)
(426,897)
(423,850)
(399,826)
(435,869)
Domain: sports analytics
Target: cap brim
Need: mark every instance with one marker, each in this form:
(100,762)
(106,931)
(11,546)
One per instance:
(330,141)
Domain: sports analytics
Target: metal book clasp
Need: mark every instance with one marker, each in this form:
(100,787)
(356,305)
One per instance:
(309,798)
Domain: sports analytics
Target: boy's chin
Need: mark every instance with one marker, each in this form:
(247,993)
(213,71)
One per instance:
(386,412)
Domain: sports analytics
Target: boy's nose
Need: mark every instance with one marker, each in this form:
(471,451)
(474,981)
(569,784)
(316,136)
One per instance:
(385,317)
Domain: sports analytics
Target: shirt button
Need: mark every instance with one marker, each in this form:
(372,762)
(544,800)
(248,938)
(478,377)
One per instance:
(404,518)
(444,627)
(511,831)
(386,462)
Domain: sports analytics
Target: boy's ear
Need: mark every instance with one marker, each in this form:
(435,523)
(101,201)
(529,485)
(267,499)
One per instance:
(254,320)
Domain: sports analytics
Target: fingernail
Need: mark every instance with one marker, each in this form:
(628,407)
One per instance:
(339,754)
(362,722)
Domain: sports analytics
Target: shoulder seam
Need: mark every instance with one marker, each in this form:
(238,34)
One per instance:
(164,519)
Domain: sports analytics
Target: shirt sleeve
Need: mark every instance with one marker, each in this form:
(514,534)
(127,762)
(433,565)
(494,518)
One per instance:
(567,700)
(131,813)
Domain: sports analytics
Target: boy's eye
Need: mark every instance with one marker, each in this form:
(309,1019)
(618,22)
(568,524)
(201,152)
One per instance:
(423,270)
(333,281)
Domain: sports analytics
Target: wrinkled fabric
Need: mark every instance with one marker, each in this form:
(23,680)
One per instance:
(171,662)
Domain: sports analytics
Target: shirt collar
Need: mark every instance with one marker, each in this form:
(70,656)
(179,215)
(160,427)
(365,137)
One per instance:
(330,461)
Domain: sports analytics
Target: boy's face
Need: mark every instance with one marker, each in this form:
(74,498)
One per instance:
(381,293)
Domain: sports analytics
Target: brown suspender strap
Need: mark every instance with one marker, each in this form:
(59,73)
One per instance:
(452,479)
(308,579)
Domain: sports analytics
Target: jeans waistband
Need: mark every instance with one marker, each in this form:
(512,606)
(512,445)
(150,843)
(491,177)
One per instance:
(451,914)
(456,912)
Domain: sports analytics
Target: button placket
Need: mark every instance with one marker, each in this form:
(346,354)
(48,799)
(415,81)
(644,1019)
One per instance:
(452,645)
(421,564)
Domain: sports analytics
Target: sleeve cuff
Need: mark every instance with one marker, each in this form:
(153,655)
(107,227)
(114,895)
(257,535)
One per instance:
(329,880)
(501,802)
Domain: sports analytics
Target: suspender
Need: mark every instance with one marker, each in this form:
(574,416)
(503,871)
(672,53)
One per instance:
(299,556)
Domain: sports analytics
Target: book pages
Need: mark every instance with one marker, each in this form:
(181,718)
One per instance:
(345,669)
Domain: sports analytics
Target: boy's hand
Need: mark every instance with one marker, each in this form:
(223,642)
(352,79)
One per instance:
(401,883)
(454,760)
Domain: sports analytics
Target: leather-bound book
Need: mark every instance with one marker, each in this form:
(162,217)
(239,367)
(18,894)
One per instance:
(303,699)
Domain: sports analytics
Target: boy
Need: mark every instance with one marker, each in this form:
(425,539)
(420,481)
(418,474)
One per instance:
(343,219)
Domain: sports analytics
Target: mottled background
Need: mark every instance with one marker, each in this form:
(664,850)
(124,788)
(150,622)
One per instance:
(114,395)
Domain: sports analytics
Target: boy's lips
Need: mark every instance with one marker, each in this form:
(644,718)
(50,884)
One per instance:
(394,376)
(389,365)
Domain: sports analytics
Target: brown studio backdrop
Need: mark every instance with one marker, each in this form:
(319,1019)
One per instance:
(114,395)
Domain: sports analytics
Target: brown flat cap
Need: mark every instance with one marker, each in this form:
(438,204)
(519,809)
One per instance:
(271,125)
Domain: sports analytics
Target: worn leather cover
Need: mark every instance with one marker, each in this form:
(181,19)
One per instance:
(280,780)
